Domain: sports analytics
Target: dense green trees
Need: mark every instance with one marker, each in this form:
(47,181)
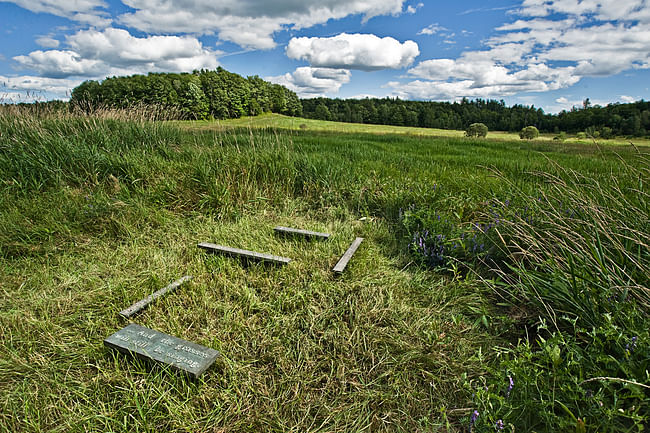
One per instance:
(614,119)
(202,94)
(221,94)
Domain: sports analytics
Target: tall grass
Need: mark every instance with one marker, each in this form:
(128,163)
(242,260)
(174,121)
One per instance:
(583,248)
(575,261)
(97,212)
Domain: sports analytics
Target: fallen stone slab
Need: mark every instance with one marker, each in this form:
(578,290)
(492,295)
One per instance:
(343,262)
(244,254)
(151,345)
(299,232)
(138,306)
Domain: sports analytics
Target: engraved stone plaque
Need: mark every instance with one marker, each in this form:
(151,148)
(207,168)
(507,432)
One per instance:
(148,344)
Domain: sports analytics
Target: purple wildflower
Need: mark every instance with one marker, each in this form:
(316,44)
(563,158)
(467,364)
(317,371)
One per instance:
(499,424)
(472,420)
(629,347)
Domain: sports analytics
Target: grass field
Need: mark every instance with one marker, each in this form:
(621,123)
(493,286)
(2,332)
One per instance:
(97,213)
(279,121)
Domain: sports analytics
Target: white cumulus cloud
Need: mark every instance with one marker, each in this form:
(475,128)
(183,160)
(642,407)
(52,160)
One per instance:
(85,11)
(29,88)
(60,64)
(249,23)
(551,45)
(432,29)
(365,52)
(94,53)
(47,42)
(310,82)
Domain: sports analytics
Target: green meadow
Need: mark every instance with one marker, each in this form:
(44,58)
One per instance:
(280,121)
(501,282)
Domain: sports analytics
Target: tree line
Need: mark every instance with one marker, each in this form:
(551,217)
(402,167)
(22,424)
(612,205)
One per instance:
(220,94)
(203,94)
(631,119)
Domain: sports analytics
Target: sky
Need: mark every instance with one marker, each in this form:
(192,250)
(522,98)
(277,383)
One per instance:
(552,54)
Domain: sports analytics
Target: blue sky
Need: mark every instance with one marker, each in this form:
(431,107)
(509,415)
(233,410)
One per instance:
(549,53)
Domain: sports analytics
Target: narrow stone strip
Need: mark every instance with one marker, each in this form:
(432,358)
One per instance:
(343,262)
(135,308)
(244,254)
(306,233)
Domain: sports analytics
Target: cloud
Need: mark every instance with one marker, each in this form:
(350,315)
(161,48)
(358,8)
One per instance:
(29,88)
(551,45)
(60,64)
(627,99)
(432,29)
(410,9)
(47,42)
(112,51)
(601,10)
(249,23)
(484,81)
(85,11)
(310,82)
(365,52)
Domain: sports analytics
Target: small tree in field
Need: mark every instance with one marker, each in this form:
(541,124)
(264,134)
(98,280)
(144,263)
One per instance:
(476,130)
(528,133)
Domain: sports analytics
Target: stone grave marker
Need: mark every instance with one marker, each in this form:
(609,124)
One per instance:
(138,306)
(244,254)
(343,262)
(148,344)
(299,232)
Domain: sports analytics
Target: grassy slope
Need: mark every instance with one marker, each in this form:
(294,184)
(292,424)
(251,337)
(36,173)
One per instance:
(94,215)
(294,123)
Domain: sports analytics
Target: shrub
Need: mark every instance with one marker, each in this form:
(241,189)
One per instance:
(592,132)
(581,135)
(560,137)
(528,133)
(476,130)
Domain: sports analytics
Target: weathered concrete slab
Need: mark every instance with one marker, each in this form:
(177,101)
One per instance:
(299,232)
(138,306)
(343,262)
(148,344)
(244,254)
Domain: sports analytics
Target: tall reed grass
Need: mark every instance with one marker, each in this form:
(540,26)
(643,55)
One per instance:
(582,249)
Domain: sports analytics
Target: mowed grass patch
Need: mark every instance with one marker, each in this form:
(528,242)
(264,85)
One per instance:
(280,121)
(301,350)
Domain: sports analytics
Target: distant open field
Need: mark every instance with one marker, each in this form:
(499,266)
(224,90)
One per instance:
(296,123)
(500,282)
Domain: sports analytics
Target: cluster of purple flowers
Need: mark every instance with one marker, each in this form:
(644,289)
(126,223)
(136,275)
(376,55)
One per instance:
(631,346)
(431,248)
(473,419)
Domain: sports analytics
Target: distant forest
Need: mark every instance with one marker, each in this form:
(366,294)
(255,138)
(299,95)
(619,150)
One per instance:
(202,94)
(615,119)
(220,94)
